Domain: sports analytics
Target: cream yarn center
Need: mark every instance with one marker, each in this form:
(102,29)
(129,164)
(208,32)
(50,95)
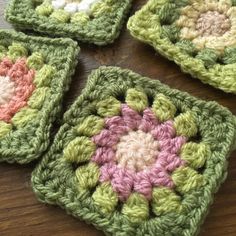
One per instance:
(7,89)
(137,151)
(213,23)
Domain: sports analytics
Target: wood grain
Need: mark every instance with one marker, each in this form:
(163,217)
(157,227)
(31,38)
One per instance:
(22,214)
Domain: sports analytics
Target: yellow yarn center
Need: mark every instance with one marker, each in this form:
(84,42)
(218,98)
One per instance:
(137,151)
(213,23)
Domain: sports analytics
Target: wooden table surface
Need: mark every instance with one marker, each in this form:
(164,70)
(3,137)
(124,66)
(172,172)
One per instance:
(22,214)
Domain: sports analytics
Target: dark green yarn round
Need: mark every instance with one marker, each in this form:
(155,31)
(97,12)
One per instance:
(208,56)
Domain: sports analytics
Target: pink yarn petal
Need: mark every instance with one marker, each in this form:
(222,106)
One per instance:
(172,145)
(122,183)
(143,185)
(159,177)
(149,121)
(105,138)
(116,125)
(149,116)
(18,70)
(131,118)
(107,171)
(4,115)
(103,155)
(169,161)
(164,131)
(23,81)
(5,66)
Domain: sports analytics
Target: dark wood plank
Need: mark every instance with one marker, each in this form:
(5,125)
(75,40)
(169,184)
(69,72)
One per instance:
(22,214)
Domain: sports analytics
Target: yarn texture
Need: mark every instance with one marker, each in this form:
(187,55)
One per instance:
(135,157)
(94,21)
(34,73)
(198,35)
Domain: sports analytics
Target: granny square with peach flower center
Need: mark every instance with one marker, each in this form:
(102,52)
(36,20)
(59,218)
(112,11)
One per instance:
(94,21)
(135,157)
(199,35)
(34,74)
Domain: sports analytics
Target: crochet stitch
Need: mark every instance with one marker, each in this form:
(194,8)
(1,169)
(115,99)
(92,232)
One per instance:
(198,35)
(93,21)
(135,157)
(34,74)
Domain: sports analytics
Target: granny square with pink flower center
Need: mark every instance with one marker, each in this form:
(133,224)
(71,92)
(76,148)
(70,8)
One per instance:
(135,157)
(198,35)
(34,74)
(94,21)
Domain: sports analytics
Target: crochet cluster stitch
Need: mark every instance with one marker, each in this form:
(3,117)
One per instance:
(198,35)
(94,21)
(135,157)
(34,73)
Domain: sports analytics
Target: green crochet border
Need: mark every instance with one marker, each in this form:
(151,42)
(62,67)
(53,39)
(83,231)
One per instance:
(53,183)
(29,142)
(100,30)
(146,26)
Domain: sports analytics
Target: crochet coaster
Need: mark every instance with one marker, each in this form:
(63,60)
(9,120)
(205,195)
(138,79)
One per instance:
(93,21)
(198,35)
(34,74)
(135,157)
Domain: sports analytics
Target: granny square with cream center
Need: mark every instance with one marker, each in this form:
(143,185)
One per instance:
(94,21)
(34,74)
(135,157)
(198,35)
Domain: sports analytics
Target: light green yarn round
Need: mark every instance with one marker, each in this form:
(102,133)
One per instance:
(187,179)
(105,199)
(79,150)
(92,125)
(80,18)
(165,200)
(44,75)
(5,128)
(35,61)
(195,154)
(87,176)
(60,16)
(185,125)
(17,50)
(22,118)
(108,107)
(163,108)
(136,208)
(137,100)
(44,9)
(38,97)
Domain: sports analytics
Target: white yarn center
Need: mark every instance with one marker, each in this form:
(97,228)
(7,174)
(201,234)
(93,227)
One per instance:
(7,89)
(137,151)
(73,6)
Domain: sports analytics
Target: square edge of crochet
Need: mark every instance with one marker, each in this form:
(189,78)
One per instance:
(167,49)
(38,24)
(42,190)
(52,108)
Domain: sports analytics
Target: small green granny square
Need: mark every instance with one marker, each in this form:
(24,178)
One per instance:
(135,157)
(198,35)
(34,74)
(94,21)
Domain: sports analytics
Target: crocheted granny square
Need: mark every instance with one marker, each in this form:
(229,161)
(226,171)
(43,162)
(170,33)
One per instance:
(93,21)
(34,74)
(135,157)
(198,35)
